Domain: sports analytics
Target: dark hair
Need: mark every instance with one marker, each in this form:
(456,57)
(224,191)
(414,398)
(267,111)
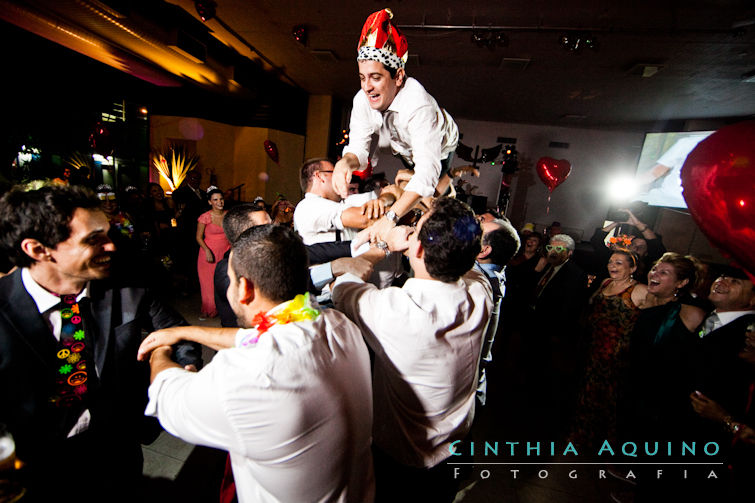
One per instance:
(277,207)
(391,71)
(629,253)
(504,243)
(274,258)
(535,235)
(213,191)
(686,267)
(43,214)
(308,170)
(236,220)
(451,239)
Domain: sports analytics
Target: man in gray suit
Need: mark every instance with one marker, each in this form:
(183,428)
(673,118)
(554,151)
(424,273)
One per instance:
(73,393)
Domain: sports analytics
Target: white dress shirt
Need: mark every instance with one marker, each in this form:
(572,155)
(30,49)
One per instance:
(47,305)
(294,410)
(317,218)
(427,338)
(718,320)
(414,126)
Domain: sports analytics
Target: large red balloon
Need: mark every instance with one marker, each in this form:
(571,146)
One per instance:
(553,172)
(718,180)
(272,150)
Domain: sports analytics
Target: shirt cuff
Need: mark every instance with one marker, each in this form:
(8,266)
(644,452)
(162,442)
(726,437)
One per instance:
(321,275)
(156,387)
(364,248)
(423,189)
(347,278)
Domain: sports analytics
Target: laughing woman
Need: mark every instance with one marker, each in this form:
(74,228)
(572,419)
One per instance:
(660,367)
(612,313)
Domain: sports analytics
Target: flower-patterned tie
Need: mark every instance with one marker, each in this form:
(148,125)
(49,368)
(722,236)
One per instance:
(72,366)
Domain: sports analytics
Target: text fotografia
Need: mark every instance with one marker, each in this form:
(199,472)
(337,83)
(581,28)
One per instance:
(607,449)
(678,474)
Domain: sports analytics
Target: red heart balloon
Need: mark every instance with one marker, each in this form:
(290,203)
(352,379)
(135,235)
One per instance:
(553,172)
(718,180)
(272,150)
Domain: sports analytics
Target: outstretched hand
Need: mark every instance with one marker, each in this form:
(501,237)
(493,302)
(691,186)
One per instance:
(341,178)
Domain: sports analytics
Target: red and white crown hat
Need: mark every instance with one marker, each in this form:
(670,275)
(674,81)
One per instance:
(383,42)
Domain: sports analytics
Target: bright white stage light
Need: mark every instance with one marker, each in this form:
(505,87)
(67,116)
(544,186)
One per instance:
(622,188)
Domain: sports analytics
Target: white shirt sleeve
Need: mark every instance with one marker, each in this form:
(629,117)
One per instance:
(361,129)
(367,306)
(426,139)
(190,407)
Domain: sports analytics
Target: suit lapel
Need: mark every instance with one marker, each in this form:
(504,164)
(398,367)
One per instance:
(20,313)
(101,312)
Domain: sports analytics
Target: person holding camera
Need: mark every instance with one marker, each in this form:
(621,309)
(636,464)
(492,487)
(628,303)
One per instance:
(644,242)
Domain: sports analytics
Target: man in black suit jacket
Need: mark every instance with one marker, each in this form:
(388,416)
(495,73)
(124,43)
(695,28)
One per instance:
(720,374)
(236,220)
(88,442)
(558,298)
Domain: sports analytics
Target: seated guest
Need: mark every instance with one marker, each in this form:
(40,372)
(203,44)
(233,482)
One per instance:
(427,338)
(288,395)
(69,382)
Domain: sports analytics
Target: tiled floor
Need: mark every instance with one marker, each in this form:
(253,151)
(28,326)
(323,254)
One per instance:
(193,473)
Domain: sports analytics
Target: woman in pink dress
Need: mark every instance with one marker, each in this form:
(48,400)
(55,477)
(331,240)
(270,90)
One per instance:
(213,245)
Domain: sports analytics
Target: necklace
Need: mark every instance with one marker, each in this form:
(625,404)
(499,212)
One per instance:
(297,309)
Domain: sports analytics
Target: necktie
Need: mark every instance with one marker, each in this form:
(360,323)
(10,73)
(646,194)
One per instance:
(72,355)
(544,281)
(709,325)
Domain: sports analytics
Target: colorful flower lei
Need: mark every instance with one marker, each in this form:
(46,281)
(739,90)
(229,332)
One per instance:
(622,240)
(298,309)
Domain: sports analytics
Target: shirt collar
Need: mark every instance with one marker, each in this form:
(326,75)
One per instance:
(490,268)
(729,316)
(395,105)
(44,299)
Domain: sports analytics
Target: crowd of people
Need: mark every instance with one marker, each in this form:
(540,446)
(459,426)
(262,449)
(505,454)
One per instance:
(359,328)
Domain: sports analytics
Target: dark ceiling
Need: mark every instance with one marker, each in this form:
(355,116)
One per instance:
(695,55)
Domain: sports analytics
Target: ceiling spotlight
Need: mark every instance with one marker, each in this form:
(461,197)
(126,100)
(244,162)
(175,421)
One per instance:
(205,9)
(479,39)
(490,39)
(299,33)
(574,41)
(501,39)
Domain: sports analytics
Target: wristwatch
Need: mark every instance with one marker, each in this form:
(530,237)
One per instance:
(391,215)
(383,246)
